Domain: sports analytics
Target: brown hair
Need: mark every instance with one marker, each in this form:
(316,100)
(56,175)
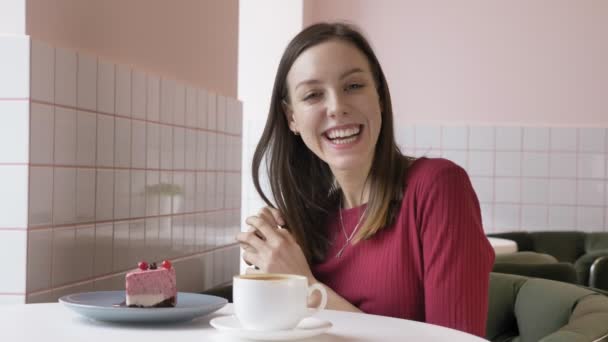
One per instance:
(303,185)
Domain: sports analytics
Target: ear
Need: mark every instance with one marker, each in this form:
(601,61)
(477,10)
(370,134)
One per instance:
(291,121)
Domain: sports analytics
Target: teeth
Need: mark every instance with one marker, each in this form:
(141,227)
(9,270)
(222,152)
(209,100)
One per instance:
(341,133)
(344,141)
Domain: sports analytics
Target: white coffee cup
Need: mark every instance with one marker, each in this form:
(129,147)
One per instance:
(271,302)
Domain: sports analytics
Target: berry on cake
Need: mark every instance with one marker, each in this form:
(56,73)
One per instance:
(150,286)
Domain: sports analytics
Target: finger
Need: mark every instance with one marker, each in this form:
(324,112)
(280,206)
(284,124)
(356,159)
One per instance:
(250,239)
(266,214)
(278,217)
(269,231)
(251,258)
(257,233)
(247,247)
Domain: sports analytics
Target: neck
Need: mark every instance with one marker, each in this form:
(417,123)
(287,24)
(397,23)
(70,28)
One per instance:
(355,190)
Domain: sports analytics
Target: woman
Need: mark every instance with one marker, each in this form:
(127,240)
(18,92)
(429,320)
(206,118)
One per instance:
(386,234)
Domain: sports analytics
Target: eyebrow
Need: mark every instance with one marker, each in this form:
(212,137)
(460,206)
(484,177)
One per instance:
(343,76)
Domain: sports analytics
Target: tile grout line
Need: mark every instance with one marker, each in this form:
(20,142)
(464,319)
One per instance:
(113,164)
(196,164)
(161,123)
(53,188)
(130,160)
(95,189)
(145,115)
(17,99)
(76,159)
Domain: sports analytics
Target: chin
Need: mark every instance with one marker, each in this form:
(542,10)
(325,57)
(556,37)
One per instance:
(347,164)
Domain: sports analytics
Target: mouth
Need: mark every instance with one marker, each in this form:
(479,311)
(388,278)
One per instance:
(343,135)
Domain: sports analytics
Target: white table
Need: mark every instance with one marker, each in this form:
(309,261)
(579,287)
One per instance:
(53,322)
(503,246)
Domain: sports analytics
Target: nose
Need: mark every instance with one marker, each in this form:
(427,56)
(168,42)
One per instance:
(336,104)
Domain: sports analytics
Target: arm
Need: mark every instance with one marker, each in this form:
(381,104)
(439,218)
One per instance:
(456,254)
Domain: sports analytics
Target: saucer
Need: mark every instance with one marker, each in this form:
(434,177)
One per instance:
(308,327)
(106,306)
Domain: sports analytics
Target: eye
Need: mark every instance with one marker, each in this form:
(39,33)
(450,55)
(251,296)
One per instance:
(354,86)
(312,95)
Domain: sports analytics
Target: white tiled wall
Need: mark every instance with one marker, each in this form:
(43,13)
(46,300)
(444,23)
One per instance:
(526,178)
(14,133)
(103,165)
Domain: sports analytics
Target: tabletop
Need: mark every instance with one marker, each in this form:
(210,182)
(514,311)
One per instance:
(54,322)
(503,246)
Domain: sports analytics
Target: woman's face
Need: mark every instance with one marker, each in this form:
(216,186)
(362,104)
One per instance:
(334,105)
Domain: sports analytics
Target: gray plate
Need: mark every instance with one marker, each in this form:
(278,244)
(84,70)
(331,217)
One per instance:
(101,306)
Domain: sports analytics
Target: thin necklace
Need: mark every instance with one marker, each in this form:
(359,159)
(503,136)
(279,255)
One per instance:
(352,234)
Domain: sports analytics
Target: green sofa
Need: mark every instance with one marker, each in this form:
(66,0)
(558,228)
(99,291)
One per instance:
(523,309)
(577,248)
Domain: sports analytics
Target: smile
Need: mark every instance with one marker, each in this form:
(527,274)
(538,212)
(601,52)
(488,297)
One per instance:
(344,134)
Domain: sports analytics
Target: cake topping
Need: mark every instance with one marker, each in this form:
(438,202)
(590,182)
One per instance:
(142,265)
(166,264)
(153,266)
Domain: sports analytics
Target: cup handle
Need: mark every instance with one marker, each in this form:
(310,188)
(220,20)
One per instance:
(323,303)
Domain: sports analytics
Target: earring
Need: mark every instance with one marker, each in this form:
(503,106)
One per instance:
(296,133)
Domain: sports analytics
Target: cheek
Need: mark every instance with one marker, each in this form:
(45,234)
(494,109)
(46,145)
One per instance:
(375,121)
(307,121)
(372,112)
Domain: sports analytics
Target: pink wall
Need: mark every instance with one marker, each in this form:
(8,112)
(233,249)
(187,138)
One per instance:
(497,62)
(191,40)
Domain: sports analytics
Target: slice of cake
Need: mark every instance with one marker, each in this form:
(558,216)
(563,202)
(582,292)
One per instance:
(151,286)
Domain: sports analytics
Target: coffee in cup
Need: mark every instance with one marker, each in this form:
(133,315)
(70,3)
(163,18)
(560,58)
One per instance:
(271,302)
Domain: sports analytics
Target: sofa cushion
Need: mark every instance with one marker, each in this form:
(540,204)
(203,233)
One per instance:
(544,306)
(565,336)
(525,258)
(588,322)
(565,246)
(596,241)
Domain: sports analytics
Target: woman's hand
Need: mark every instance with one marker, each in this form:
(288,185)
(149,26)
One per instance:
(271,248)
(274,250)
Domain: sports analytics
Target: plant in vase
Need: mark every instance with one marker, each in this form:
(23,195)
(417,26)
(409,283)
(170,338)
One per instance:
(167,193)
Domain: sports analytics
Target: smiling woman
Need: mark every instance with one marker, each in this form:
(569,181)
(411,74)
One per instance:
(384,233)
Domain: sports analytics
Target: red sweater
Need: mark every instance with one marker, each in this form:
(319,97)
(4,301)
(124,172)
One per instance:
(431,265)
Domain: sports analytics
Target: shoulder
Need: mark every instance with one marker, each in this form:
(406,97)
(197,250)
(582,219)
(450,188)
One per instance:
(431,170)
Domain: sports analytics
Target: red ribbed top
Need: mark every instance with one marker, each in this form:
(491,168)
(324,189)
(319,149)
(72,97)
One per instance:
(432,265)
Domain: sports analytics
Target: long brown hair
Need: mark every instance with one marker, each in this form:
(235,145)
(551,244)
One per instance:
(303,185)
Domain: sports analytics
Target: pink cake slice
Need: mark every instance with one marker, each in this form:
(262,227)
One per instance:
(151,287)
